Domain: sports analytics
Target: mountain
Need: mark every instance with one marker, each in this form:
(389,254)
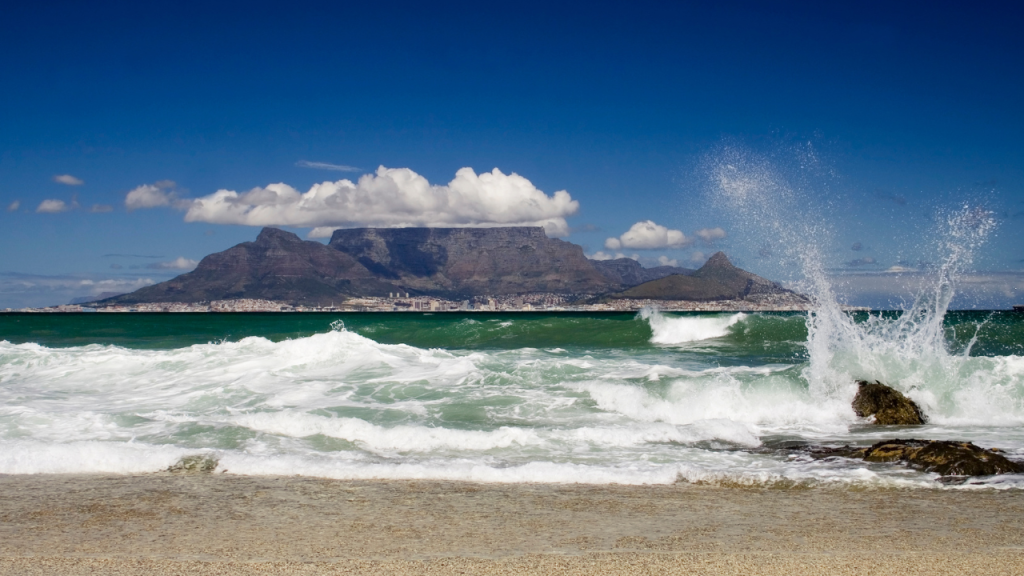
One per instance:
(463,262)
(627,272)
(452,263)
(277,266)
(717,279)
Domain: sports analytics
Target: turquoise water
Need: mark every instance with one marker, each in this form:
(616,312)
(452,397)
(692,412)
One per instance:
(572,397)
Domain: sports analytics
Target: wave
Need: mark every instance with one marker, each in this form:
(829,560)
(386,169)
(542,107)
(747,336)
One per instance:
(340,404)
(683,329)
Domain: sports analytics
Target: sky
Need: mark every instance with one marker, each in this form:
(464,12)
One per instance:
(136,138)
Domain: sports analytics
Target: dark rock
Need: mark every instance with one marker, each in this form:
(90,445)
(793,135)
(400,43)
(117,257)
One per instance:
(196,463)
(464,262)
(943,457)
(888,406)
(626,272)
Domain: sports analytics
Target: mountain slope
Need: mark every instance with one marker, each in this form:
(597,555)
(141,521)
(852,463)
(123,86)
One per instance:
(718,279)
(626,272)
(277,266)
(462,262)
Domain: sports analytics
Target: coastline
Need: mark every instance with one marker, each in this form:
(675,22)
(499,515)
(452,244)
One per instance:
(225,524)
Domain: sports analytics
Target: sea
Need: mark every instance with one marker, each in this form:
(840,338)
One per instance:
(731,399)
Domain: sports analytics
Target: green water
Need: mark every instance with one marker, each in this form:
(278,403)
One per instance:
(988,333)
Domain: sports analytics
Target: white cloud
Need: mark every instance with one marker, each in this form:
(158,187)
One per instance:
(68,179)
(326,166)
(709,235)
(322,232)
(14,206)
(179,263)
(666,261)
(156,195)
(698,258)
(393,197)
(97,208)
(647,235)
(52,207)
(616,256)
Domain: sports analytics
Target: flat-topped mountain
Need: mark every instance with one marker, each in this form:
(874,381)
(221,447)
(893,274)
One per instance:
(717,279)
(452,263)
(472,261)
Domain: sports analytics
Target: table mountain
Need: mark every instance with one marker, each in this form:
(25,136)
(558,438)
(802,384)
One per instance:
(463,262)
(453,263)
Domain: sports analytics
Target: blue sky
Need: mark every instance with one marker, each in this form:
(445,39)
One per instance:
(878,118)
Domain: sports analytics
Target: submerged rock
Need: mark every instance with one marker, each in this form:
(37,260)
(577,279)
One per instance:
(942,457)
(888,406)
(195,463)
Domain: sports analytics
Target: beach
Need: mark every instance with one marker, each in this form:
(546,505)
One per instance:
(167,523)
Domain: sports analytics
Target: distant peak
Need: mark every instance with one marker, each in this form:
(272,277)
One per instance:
(718,259)
(268,234)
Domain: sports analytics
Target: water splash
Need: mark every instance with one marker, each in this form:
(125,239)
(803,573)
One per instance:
(908,349)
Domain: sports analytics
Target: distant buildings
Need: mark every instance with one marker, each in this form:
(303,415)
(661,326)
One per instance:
(396,303)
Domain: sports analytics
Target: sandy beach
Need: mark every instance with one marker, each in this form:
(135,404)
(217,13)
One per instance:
(226,524)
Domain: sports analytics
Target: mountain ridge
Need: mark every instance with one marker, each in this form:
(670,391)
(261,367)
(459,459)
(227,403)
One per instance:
(450,263)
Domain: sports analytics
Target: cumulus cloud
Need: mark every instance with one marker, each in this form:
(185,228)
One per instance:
(709,235)
(68,179)
(605,256)
(666,261)
(52,207)
(179,263)
(326,166)
(14,206)
(393,197)
(159,194)
(698,258)
(647,235)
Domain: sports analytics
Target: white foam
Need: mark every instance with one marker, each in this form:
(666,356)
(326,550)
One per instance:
(683,329)
(32,457)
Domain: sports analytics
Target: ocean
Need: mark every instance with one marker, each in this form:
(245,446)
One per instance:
(647,398)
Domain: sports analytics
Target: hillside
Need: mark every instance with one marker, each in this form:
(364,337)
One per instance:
(463,262)
(277,266)
(718,279)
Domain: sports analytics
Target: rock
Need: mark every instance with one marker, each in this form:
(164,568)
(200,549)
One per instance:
(194,464)
(888,406)
(943,457)
(947,458)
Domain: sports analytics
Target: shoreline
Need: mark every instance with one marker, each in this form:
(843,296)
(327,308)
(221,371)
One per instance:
(167,523)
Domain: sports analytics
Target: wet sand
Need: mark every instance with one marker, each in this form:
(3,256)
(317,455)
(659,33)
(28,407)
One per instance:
(225,524)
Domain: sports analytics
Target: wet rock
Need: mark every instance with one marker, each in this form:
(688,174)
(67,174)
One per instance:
(943,457)
(888,406)
(196,463)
